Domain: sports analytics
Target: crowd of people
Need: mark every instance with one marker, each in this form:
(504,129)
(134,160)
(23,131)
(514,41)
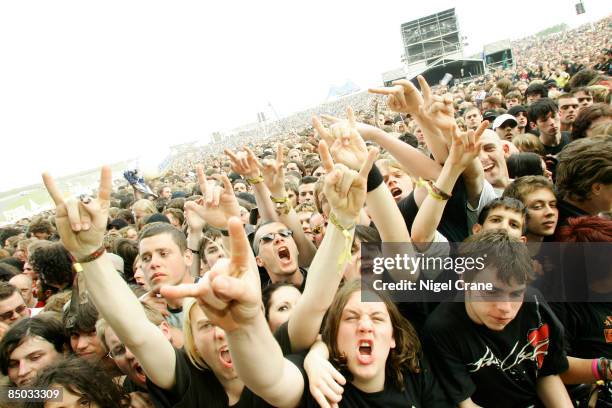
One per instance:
(239,277)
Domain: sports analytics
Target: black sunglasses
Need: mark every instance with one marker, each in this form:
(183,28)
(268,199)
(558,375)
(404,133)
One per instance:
(269,237)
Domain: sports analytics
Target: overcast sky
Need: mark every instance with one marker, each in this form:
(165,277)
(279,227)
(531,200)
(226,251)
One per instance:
(86,83)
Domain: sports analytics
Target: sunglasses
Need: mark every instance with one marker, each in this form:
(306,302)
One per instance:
(7,315)
(269,237)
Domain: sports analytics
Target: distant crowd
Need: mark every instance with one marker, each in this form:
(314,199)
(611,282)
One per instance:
(236,278)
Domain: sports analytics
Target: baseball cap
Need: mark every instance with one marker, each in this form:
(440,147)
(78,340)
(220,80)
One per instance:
(489,115)
(501,119)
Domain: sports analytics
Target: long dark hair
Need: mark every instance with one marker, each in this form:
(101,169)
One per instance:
(405,356)
(45,327)
(83,378)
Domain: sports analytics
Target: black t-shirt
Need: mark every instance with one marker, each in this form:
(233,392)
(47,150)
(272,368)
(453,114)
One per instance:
(282,338)
(197,388)
(588,328)
(264,278)
(453,224)
(495,369)
(420,390)
(554,150)
(130,386)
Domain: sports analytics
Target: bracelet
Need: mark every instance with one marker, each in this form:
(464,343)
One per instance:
(91,257)
(432,190)
(439,192)
(345,256)
(279,200)
(76,263)
(603,369)
(255,180)
(595,368)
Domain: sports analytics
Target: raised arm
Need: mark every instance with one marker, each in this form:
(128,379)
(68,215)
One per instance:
(412,160)
(273,173)
(345,190)
(464,150)
(350,149)
(245,163)
(216,207)
(81,226)
(434,114)
(230,297)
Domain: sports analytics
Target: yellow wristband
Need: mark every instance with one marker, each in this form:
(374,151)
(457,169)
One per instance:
(345,256)
(255,180)
(279,200)
(427,184)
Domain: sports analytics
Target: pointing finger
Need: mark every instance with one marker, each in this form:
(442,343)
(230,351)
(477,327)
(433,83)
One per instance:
(231,154)
(106,184)
(326,159)
(322,131)
(367,166)
(239,245)
(480,130)
(227,184)
(201,179)
(351,117)
(381,91)
(425,89)
(279,154)
(51,187)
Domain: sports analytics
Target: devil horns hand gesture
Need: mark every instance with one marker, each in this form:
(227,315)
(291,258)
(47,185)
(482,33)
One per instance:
(427,108)
(344,188)
(345,143)
(81,223)
(216,206)
(227,293)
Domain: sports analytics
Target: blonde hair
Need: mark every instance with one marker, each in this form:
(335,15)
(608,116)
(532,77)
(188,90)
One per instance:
(145,205)
(189,346)
(528,143)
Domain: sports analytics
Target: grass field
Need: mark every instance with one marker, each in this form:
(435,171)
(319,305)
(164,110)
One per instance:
(29,200)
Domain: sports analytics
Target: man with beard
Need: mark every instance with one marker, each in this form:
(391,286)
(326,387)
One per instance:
(544,115)
(568,110)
